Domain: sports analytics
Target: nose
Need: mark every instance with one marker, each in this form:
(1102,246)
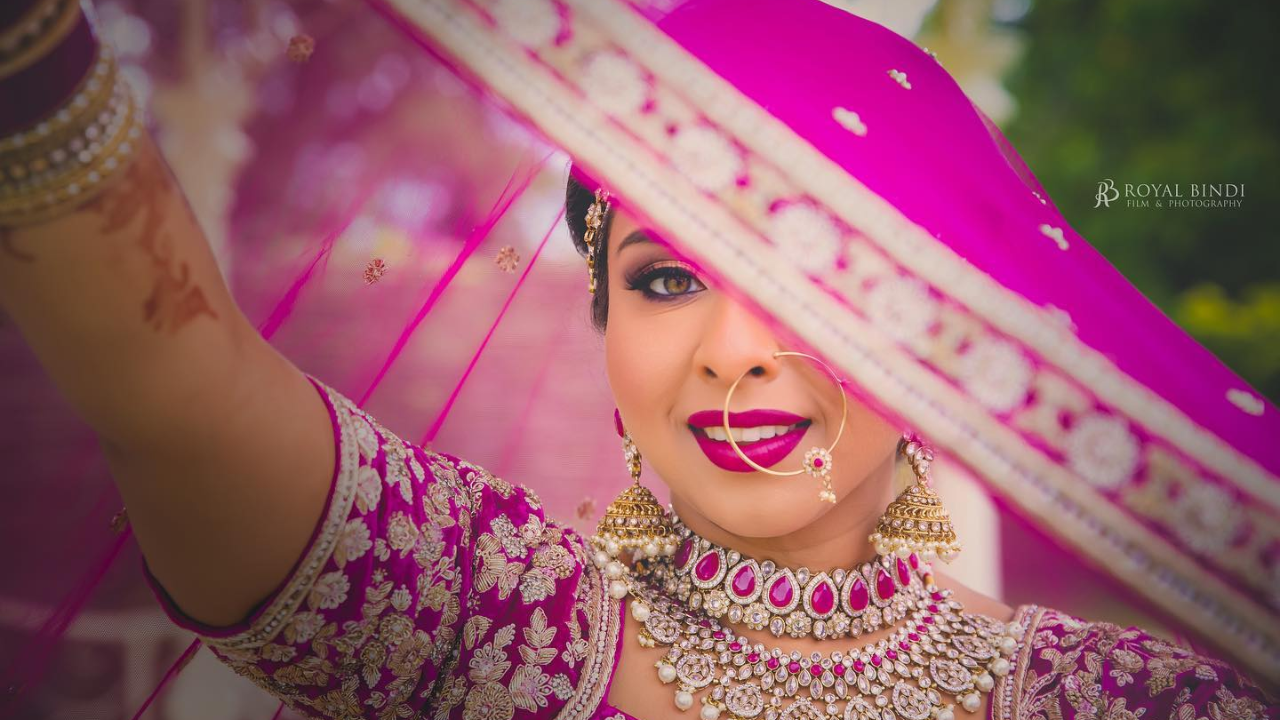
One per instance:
(735,342)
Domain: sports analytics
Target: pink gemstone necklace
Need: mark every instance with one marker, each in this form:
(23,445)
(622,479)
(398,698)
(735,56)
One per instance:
(938,657)
(722,583)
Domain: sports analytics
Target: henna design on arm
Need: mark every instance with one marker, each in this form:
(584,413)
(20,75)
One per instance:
(174,300)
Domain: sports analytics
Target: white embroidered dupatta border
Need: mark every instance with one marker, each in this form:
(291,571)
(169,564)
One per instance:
(492,42)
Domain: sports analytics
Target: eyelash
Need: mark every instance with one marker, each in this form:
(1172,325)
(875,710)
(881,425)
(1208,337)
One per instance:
(643,280)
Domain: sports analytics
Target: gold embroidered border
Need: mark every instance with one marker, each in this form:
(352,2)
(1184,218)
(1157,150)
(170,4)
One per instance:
(283,607)
(1006,696)
(777,150)
(913,247)
(1050,492)
(602,613)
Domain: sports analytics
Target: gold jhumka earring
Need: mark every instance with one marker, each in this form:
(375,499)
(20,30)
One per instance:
(916,522)
(817,462)
(634,522)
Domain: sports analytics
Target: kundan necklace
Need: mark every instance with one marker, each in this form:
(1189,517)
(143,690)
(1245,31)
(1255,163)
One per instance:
(937,656)
(720,582)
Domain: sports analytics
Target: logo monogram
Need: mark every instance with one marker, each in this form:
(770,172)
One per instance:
(1106,193)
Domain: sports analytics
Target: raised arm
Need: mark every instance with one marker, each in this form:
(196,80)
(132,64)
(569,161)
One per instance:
(312,550)
(222,449)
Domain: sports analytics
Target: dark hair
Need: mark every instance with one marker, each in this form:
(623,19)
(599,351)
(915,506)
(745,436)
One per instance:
(577,200)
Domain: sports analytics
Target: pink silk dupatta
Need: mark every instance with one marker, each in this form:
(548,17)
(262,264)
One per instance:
(836,176)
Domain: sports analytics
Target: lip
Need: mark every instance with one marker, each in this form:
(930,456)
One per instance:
(749,418)
(764,453)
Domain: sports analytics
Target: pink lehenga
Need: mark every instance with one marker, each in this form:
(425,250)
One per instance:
(832,175)
(433,588)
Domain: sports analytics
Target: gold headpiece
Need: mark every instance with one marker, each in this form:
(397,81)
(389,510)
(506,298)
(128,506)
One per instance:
(595,221)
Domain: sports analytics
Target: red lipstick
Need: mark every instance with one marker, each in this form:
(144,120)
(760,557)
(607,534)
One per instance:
(764,452)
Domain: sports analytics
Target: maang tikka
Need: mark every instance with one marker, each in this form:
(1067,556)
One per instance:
(591,238)
(635,521)
(916,522)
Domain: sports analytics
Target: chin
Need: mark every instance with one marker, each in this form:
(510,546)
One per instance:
(758,514)
(760,523)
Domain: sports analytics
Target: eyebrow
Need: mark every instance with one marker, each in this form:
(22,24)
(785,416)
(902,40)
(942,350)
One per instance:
(636,236)
(642,236)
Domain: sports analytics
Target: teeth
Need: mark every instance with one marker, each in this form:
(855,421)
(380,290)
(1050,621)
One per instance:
(751,434)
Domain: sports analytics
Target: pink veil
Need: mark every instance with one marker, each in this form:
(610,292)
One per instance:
(826,169)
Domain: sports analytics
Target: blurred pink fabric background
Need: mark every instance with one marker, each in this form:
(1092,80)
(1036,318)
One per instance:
(304,174)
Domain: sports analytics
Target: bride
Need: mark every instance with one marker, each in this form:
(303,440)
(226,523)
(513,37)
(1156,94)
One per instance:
(797,572)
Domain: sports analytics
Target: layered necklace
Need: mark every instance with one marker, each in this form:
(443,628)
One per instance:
(937,655)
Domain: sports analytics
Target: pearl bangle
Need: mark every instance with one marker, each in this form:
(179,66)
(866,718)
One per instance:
(73,154)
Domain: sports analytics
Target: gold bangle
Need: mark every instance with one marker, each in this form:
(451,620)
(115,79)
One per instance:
(73,154)
(36,33)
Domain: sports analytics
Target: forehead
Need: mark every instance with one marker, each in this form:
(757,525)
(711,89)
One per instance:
(626,231)
(637,236)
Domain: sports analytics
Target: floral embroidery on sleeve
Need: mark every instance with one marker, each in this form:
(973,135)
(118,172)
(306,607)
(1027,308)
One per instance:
(1076,669)
(370,615)
(541,630)
(432,588)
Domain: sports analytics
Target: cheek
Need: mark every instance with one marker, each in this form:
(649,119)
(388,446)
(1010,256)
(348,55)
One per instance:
(625,362)
(868,441)
(647,366)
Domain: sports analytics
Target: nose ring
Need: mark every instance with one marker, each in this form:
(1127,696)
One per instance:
(817,462)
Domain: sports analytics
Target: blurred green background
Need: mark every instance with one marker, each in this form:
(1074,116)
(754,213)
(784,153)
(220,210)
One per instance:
(1162,91)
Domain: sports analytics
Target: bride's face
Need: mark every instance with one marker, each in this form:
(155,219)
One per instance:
(674,345)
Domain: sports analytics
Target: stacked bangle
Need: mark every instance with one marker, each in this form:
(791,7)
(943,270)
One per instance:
(36,32)
(76,147)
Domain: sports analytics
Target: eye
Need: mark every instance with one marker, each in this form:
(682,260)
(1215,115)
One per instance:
(666,282)
(673,282)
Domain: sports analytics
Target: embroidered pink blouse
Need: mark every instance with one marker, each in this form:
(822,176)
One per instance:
(432,589)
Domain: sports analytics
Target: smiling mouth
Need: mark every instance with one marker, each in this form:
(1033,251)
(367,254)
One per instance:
(747,435)
(762,436)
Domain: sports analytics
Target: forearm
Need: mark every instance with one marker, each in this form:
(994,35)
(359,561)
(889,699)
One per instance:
(123,303)
(101,263)
(221,449)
